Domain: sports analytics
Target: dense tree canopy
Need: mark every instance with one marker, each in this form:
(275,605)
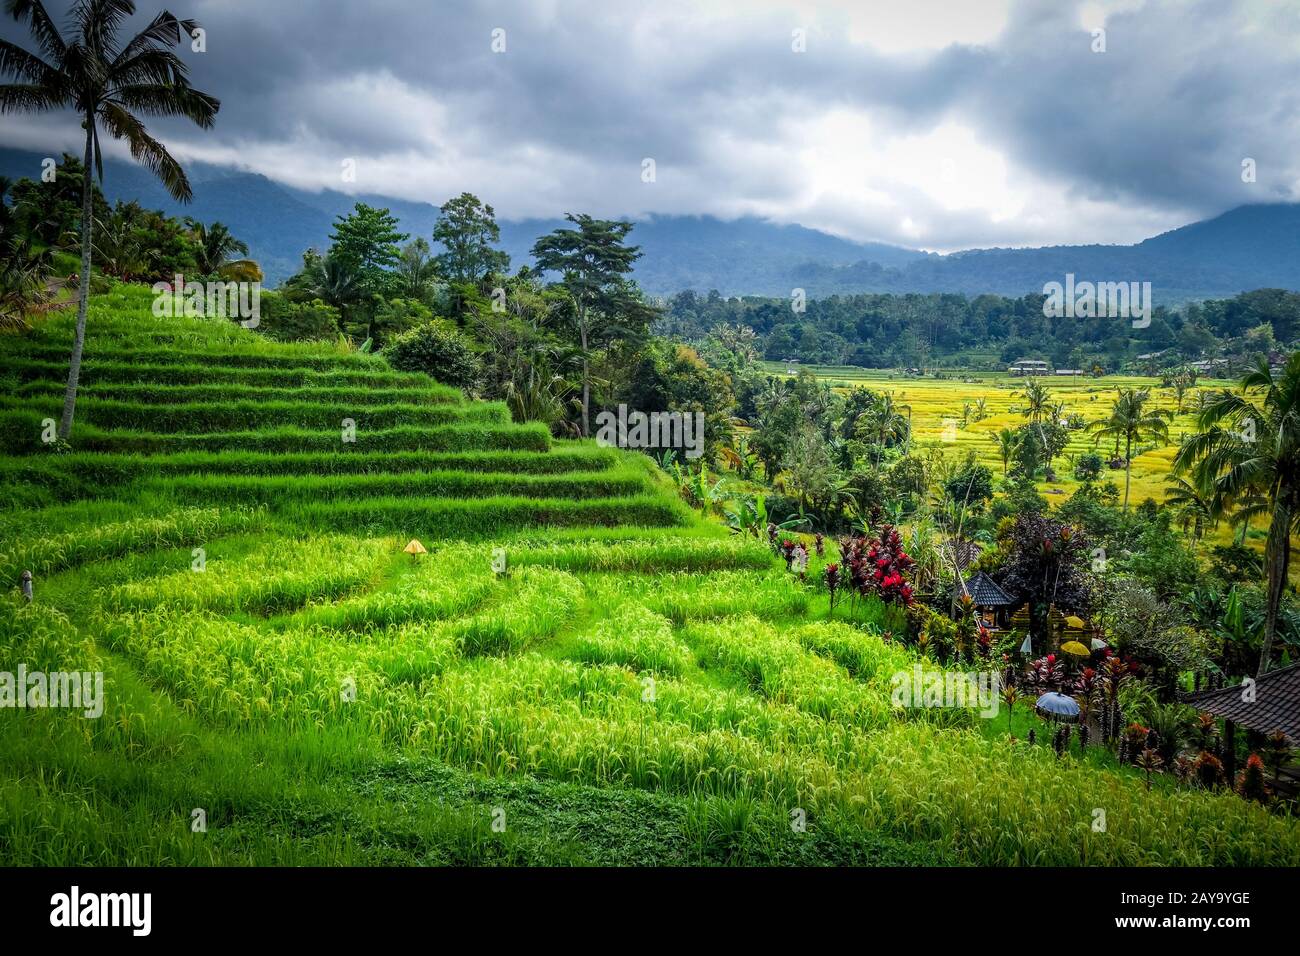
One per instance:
(915,330)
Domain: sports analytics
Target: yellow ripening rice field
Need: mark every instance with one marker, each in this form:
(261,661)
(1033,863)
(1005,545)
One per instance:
(936,410)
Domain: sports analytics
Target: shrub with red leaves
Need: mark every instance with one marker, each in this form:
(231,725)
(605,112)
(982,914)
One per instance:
(1047,672)
(1085,685)
(1250,782)
(887,565)
(833,582)
(877,566)
(1207,769)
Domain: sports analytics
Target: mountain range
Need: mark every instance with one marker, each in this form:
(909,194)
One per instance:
(1248,247)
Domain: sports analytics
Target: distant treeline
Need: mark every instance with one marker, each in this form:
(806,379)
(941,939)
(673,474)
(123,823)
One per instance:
(914,330)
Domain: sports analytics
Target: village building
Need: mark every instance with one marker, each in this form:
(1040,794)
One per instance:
(991,602)
(1026,366)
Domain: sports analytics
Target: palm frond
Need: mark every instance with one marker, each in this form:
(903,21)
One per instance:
(40,24)
(1221,405)
(146,150)
(98,22)
(153,65)
(28,98)
(164,30)
(22,64)
(157,99)
(1261,376)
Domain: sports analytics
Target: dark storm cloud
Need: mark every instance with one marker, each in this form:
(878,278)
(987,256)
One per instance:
(1183,92)
(1078,145)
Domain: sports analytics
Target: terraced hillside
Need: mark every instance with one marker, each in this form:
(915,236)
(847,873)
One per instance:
(579,670)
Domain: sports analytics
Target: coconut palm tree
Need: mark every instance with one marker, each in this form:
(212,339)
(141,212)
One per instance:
(1249,444)
(536,389)
(1182,383)
(1195,506)
(217,251)
(1006,441)
(1037,400)
(1133,423)
(328,278)
(108,83)
(1247,508)
(119,241)
(884,423)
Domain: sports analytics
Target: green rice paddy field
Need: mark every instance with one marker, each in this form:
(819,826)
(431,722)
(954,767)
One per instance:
(638,687)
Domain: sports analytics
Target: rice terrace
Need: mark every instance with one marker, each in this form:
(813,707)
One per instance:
(351,522)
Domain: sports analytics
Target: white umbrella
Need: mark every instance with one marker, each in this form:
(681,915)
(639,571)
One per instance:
(1058,705)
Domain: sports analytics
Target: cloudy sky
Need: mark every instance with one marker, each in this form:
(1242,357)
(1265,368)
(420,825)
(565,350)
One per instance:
(939,124)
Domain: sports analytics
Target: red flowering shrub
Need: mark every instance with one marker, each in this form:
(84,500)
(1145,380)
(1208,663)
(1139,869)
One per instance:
(1135,736)
(1085,685)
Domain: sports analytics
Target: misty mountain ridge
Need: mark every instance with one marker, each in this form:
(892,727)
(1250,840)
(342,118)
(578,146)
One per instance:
(1245,248)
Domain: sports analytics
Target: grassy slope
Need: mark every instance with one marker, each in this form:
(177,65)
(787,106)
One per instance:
(640,689)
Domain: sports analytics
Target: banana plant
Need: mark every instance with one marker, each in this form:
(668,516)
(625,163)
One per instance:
(696,489)
(750,517)
(666,460)
(741,459)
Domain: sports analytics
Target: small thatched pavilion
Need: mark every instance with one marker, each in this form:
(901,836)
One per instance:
(991,602)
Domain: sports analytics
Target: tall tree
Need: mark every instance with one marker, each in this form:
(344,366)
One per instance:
(366,244)
(1132,422)
(107,83)
(468,231)
(416,272)
(594,264)
(1249,445)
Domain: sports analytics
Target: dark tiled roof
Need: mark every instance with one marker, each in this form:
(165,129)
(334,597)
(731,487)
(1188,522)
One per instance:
(964,553)
(1276,705)
(984,591)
